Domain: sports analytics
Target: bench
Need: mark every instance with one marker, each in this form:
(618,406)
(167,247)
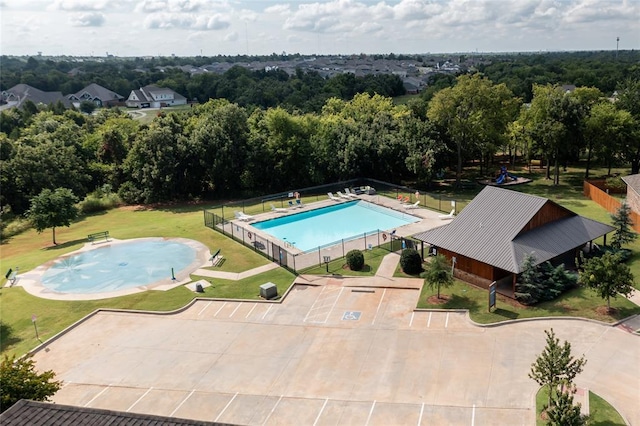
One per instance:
(11,276)
(216,258)
(93,237)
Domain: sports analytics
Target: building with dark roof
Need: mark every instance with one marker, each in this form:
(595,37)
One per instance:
(16,96)
(100,96)
(154,97)
(490,238)
(34,413)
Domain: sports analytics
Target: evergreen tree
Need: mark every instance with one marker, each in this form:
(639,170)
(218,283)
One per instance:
(528,289)
(564,412)
(555,366)
(624,233)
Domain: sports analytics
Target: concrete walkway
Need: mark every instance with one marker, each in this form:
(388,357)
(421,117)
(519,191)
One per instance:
(236,276)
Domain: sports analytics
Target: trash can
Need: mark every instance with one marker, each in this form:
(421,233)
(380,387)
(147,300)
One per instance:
(268,290)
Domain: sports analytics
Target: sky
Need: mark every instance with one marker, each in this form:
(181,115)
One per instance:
(261,27)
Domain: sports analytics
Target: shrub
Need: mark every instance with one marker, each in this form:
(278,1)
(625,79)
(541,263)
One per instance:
(129,193)
(411,262)
(98,201)
(355,260)
(616,184)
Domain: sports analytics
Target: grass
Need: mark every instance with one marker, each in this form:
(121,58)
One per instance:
(372,260)
(580,302)
(248,288)
(601,413)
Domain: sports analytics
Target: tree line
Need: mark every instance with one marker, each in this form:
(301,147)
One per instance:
(221,149)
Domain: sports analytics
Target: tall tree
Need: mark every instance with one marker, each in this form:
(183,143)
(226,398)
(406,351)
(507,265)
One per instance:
(20,380)
(51,209)
(607,128)
(608,276)
(438,273)
(621,220)
(474,114)
(629,100)
(564,412)
(555,366)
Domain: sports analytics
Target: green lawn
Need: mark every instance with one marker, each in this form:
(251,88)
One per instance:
(372,260)
(248,288)
(601,413)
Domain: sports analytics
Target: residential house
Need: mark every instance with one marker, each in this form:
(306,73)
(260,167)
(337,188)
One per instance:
(633,192)
(490,238)
(154,97)
(16,96)
(100,96)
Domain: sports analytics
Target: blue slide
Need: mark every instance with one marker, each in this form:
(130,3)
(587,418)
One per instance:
(500,179)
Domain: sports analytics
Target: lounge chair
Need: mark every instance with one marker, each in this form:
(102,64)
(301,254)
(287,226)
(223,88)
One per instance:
(350,194)
(342,195)
(412,206)
(333,197)
(451,215)
(243,217)
(278,209)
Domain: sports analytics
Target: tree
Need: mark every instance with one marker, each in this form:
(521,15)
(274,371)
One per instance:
(564,412)
(438,273)
(607,276)
(20,380)
(87,107)
(623,234)
(555,366)
(50,209)
(528,286)
(474,114)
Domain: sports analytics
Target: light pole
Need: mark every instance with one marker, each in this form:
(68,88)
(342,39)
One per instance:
(617,44)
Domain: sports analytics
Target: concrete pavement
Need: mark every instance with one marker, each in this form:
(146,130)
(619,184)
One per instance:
(338,351)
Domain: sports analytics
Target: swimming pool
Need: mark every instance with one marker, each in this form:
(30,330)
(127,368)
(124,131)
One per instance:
(316,228)
(119,266)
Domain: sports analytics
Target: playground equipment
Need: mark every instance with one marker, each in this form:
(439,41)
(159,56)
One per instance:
(505,176)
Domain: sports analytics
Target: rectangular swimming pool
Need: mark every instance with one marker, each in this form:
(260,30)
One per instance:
(316,228)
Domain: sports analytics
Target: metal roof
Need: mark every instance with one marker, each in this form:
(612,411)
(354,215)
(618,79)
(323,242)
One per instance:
(487,230)
(26,412)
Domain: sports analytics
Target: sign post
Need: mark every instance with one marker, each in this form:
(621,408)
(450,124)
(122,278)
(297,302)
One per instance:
(35,326)
(492,295)
(327,259)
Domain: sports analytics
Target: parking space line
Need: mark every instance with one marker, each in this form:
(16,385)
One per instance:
(379,304)
(429,322)
(64,385)
(219,309)
(313,305)
(421,413)
(180,405)
(205,307)
(411,321)
(254,306)
(273,410)
(473,415)
(333,305)
(95,397)
(446,322)
(320,413)
(225,407)
(370,413)
(266,313)
(234,311)
(139,399)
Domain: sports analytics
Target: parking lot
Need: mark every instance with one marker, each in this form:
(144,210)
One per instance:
(329,354)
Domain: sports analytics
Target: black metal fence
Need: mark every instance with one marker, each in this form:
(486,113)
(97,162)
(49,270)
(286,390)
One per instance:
(219,218)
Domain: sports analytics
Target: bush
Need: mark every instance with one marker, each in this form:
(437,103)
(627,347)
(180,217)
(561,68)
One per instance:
(615,184)
(98,201)
(129,193)
(355,260)
(411,262)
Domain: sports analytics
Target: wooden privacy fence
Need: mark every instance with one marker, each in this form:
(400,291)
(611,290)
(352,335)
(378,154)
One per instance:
(610,203)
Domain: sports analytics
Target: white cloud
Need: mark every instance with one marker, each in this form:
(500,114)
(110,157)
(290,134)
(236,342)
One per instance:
(79,5)
(89,19)
(186,21)
(232,36)
(279,9)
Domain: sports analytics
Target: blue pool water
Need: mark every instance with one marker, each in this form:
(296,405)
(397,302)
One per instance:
(309,230)
(118,266)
